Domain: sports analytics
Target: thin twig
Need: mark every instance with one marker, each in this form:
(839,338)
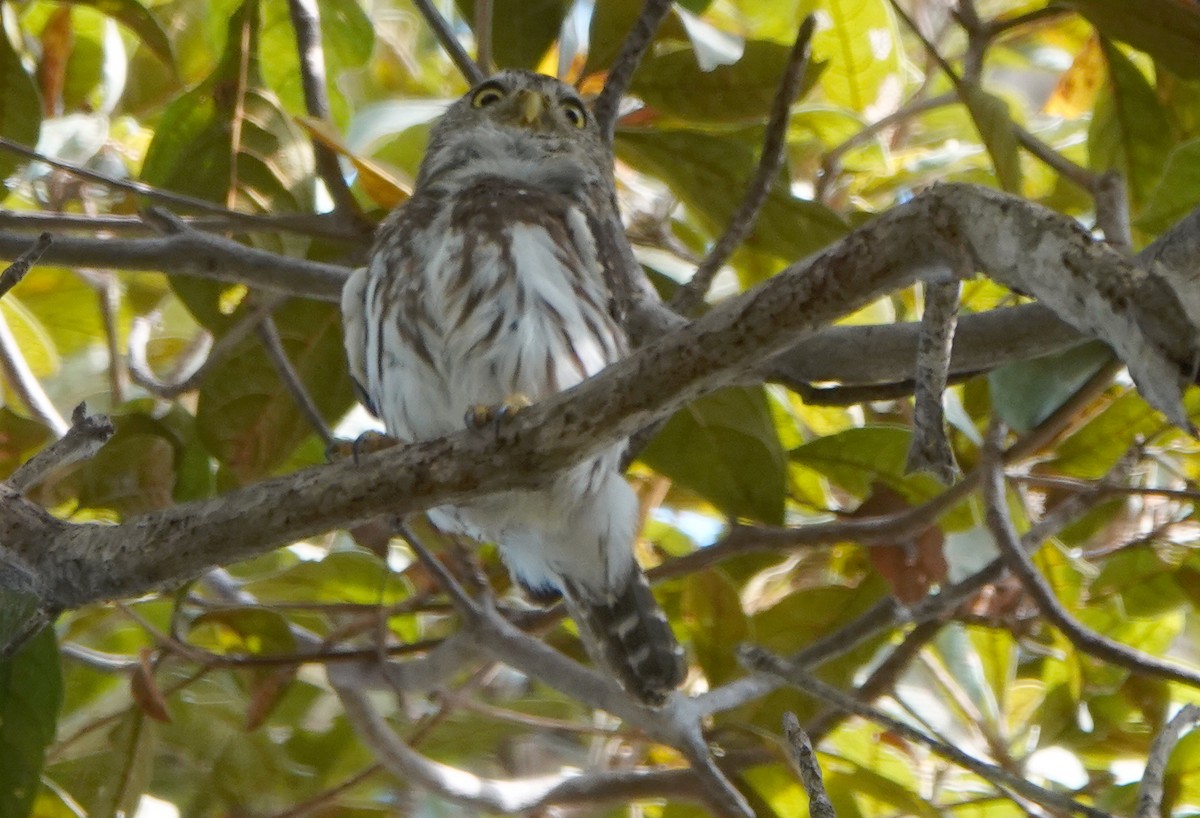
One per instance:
(620,73)
(762,661)
(1150,792)
(268,333)
(1111,196)
(483,35)
(140,188)
(930,447)
(770,161)
(208,355)
(306,22)
(323,225)
(16,271)
(323,798)
(22,380)
(85,437)
(883,677)
(458,55)
(800,752)
(196,253)
(1017,560)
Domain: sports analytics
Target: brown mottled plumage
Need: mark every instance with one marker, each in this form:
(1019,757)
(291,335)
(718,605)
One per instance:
(493,281)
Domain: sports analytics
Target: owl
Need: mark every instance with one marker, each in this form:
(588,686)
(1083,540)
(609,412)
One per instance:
(490,288)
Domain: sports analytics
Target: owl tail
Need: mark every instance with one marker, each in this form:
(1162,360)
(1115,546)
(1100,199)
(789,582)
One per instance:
(627,632)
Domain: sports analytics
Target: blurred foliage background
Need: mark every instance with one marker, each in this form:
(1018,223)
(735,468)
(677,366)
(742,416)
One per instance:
(182,703)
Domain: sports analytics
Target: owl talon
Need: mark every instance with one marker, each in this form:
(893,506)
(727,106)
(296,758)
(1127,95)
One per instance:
(482,415)
(363,445)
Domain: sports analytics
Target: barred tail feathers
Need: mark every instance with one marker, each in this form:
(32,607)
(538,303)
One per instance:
(626,631)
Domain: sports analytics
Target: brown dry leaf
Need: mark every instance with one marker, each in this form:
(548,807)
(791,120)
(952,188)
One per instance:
(1076,91)
(145,690)
(268,690)
(385,185)
(58,39)
(910,567)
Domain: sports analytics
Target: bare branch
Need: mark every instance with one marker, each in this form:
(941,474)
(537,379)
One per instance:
(800,752)
(16,271)
(195,253)
(458,55)
(1018,562)
(307,224)
(306,21)
(24,383)
(268,334)
(1150,793)
(85,437)
(930,448)
(140,188)
(711,352)
(762,661)
(620,73)
(483,35)
(770,161)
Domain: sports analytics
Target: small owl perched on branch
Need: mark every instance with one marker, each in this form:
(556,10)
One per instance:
(490,287)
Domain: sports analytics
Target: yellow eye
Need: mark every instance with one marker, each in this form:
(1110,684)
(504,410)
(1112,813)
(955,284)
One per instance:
(574,113)
(487,95)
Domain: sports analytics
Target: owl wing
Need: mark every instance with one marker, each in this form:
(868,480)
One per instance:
(354,319)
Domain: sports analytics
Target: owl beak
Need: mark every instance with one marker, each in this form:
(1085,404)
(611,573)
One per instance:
(530,105)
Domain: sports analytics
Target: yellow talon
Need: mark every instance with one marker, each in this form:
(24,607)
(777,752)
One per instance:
(482,414)
(364,444)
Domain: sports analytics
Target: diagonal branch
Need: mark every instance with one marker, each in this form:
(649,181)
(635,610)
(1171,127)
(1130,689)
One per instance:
(1040,253)
(608,104)
(692,294)
(760,660)
(1005,536)
(306,22)
(441,29)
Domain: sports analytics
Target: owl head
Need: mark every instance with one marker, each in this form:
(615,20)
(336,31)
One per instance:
(521,124)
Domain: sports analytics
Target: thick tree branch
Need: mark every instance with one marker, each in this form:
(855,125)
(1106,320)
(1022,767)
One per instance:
(1016,243)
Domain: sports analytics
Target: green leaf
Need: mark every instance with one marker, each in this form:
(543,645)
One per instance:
(522,30)
(1147,584)
(138,19)
(1130,131)
(856,459)
(112,782)
(712,612)
(30,698)
(1168,30)
(708,173)
(1094,448)
(743,90)
(20,105)
(610,25)
(995,125)
(247,417)
(1027,392)
(724,448)
(1177,192)
(862,47)
(347,39)
(193,152)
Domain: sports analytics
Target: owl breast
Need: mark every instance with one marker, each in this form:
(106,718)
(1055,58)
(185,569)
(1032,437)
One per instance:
(499,291)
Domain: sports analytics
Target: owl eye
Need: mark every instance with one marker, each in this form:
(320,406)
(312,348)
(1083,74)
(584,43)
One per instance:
(574,113)
(487,95)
